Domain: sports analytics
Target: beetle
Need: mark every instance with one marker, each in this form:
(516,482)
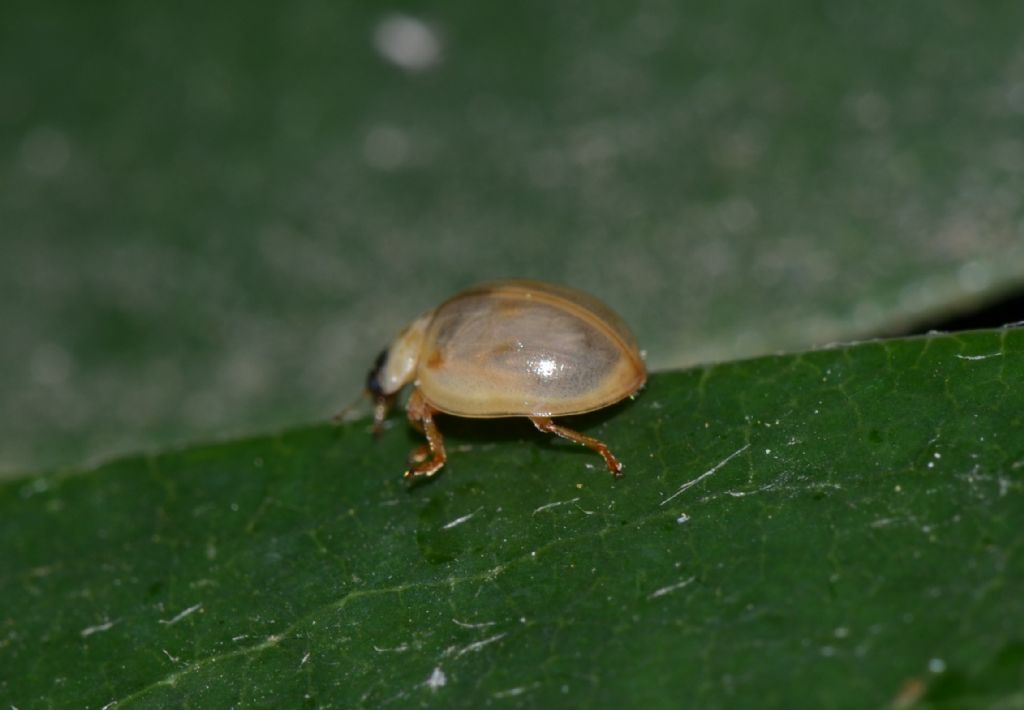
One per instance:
(512,348)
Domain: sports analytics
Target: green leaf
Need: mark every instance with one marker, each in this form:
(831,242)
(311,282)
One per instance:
(840,528)
(214,215)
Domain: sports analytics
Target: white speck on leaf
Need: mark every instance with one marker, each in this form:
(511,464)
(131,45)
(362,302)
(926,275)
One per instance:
(304,659)
(584,511)
(513,692)
(978,357)
(90,630)
(400,648)
(477,645)
(437,679)
(557,503)
(709,472)
(937,665)
(181,615)
(683,518)
(461,520)
(670,588)
(481,625)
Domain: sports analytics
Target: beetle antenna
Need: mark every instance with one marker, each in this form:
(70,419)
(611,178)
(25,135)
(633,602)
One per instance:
(351,412)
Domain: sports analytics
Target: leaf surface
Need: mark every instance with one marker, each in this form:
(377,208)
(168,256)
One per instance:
(840,528)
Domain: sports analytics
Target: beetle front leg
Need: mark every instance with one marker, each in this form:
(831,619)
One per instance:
(421,415)
(381,405)
(546,425)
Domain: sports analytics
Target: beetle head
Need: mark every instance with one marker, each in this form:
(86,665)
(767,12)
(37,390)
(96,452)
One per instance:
(395,367)
(373,387)
(382,400)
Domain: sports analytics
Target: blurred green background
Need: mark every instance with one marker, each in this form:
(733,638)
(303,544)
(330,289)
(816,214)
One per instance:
(213,216)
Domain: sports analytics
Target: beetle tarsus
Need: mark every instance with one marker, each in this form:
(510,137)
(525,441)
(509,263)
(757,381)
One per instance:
(381,406)
(419,455)
(422,416)
(546,425)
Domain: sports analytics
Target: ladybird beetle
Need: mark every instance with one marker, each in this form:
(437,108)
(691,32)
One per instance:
(508,349)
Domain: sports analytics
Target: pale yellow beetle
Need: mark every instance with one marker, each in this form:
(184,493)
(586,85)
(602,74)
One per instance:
(508,349)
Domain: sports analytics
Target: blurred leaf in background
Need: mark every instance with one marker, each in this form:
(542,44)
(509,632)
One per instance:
(212,216)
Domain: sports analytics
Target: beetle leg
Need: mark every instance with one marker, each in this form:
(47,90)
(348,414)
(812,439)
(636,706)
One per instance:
(419,454)
(421,415)
(546,425)
(381,405)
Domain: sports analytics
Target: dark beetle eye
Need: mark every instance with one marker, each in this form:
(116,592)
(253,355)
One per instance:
(373,377)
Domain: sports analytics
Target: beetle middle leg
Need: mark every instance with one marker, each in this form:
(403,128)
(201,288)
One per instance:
(546,425)
(421,415)
(420,453)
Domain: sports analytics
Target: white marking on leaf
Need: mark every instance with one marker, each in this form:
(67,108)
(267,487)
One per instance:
(709,472)
(90,630)
(978,357)
(181,615)
(437,679)
(460,521)
(557,503)
(477,645)
(585,512)
(513,692)
(400,648)
(670,588)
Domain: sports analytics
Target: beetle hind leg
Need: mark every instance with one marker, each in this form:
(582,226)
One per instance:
(546,425)
(430,458)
